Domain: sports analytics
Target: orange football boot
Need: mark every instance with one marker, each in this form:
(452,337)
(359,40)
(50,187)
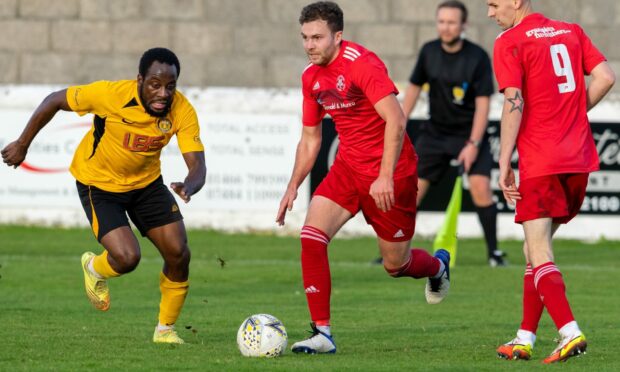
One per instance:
(569,347)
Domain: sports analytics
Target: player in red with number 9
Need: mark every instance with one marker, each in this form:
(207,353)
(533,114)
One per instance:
(540,64)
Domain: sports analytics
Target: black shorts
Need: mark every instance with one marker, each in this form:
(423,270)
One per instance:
(435,151)
(149,207)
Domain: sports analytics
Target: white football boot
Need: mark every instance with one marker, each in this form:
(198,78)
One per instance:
(318,343)
(437,288)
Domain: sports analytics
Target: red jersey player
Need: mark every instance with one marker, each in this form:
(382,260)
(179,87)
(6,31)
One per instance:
(540,65)
(374,171)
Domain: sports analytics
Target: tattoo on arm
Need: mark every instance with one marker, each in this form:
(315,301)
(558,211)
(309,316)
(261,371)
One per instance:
(516,102)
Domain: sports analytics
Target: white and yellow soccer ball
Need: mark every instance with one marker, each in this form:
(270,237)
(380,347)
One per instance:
(262,335)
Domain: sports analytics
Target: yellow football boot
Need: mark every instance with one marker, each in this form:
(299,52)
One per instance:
(96,289)
(168,336)
(514,350)
(569,347)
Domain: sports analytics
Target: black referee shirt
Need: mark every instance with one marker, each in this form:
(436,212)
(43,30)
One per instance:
(455,80)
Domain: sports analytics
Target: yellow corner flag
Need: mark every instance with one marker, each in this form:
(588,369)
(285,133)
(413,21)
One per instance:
(446,236)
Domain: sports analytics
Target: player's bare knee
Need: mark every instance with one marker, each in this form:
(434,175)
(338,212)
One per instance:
(393,265)
(178,256)
(126,261)
(395,255)
(186,256)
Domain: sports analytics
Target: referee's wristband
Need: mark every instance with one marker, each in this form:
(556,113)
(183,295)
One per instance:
(473,142)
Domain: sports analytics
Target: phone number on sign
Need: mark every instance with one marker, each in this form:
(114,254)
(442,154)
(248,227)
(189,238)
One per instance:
(601,204)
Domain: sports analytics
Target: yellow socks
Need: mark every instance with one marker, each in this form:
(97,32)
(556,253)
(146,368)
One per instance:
(172,299)
(172,293)
(101,266)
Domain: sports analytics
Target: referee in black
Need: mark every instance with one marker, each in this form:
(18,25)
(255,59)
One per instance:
(460,81)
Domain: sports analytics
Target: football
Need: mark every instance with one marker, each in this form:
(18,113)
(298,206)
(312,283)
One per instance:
(262,335)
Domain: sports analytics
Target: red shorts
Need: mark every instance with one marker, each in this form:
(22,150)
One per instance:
(351,192)
(556,196)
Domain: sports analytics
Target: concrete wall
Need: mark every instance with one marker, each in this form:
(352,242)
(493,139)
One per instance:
(238,43)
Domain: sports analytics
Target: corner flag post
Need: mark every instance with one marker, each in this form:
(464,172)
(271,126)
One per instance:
(447,235)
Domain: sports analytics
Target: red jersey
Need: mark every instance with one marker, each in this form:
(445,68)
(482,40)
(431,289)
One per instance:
(547,60)
(347,90)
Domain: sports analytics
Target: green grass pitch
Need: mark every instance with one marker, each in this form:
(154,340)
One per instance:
(379,323)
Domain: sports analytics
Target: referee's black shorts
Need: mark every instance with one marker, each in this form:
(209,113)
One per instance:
(436,150)
(149,207)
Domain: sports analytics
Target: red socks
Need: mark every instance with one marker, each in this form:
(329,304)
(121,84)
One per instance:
(420,265)
(552,292)
(315,272)
(317,278)
(532,305)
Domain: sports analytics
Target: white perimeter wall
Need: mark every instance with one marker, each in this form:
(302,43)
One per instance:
(250,137)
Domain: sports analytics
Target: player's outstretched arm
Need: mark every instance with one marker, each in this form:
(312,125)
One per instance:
(412,93)
(15,152)
(197,172)
(603,78)
(510,124)
(382,190)
(307,151)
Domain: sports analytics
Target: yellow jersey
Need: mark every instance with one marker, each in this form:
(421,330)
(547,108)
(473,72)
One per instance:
(122,149)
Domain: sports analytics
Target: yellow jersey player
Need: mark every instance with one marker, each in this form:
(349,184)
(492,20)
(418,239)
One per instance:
(118,173)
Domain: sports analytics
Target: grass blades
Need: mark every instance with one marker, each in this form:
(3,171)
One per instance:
(379,323)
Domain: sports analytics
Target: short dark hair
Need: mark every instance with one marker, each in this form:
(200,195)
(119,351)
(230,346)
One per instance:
(323,10)
(161,55)
(457,5)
